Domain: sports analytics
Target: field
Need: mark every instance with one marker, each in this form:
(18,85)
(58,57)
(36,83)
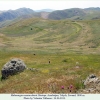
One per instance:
(63,70)
(57,54)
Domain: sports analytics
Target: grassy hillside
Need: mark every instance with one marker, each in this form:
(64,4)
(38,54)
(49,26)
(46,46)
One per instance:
(72,47)
(64,70)
(52,36)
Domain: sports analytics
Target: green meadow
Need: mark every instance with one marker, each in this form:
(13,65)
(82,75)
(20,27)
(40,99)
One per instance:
(61,53)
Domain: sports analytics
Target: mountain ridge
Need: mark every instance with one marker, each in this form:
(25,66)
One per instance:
(12,14)
(70,14)
(78,13)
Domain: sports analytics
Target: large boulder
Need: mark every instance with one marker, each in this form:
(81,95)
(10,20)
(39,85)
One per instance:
(12,67)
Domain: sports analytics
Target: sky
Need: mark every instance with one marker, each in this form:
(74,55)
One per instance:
(47,4)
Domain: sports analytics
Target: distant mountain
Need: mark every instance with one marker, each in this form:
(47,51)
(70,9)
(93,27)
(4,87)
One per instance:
(76,14)
(93,9)
(11,14)
(44,10)
(68,13)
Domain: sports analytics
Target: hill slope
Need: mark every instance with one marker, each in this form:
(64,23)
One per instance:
(60,35)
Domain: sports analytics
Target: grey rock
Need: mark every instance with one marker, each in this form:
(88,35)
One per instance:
(91,79)
(12,67)
(92,85)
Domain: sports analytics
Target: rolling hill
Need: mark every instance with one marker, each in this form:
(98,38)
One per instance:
(76,14)
(57,35)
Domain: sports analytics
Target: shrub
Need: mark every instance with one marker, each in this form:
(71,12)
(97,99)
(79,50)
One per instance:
(64,60)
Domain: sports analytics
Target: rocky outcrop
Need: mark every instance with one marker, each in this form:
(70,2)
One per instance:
(12,67)
(91,79)
(91,84)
